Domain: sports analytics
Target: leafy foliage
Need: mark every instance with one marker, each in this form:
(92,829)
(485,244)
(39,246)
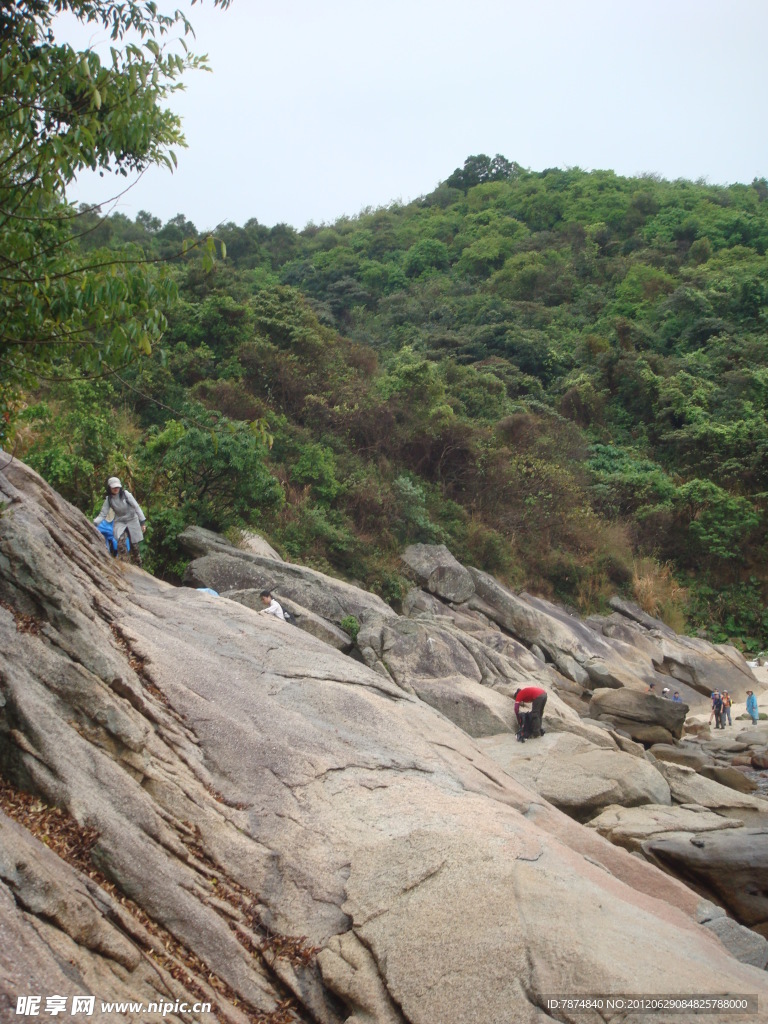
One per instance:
(561,375)
(63,111)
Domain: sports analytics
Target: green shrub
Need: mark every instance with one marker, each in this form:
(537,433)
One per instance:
(351,626)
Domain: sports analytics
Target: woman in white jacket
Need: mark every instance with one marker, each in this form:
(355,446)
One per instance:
(123,511)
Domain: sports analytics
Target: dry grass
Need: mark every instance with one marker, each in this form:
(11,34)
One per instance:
(658,593)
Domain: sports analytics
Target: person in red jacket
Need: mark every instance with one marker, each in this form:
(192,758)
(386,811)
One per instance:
(537,698)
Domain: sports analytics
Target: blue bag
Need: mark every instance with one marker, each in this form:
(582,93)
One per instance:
(108,532)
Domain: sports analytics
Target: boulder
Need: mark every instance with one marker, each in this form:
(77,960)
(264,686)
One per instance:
(434,567)
(313,624)
(731,777)
(642,715)
(197,541)
(471,678)
(743,943)
(632,827)
(690,661)
(731,869)
(255,544)
(326,596)
(759,760)
(682,753)
(578,652)
(689,787)
(577,775)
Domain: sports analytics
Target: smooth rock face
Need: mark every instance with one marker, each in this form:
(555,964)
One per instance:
(744,944)
(567,641)
(730,777)
(699,665)
(683,753)
(246,779)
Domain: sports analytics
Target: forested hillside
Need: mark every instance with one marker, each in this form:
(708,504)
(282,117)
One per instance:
(562,375)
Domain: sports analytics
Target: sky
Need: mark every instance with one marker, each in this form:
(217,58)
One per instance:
(315,111)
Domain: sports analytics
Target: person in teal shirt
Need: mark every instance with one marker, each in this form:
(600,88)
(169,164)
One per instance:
(752,707)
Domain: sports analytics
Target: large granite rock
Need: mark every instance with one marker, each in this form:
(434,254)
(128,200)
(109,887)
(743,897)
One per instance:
(696,663)
(632,827)
(577,775)
(326,596)
(689,754)
(577,651)
(731,777)
(730,868)
(243,783)
(302,617)
(434,567)
(643,715)
(687,786)
(743,943)
(197,541)
(470,677)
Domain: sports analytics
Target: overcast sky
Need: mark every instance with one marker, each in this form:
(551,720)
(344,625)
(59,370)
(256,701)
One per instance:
(315,110)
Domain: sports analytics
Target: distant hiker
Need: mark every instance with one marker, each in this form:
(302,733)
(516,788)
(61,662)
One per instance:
(665,693)
(537,698)
(752,707)
(271,607)
(717,710)
(726,708)
(714,695)
(676,697)
(651,688)
(121,509)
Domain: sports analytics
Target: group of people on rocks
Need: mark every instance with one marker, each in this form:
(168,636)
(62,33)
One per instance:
(665,693)
(721,709)
(721,705)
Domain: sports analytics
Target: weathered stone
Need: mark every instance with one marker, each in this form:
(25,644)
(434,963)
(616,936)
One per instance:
(561,636)
(313,624)
(681,753)
(689,660)
(730,777)
(689,787)
(576,775)
(634,712)
(327,597)
(197,541)
(731,868)
(632,827)
(435,568)
(760,760)
(364,819)
(743,943)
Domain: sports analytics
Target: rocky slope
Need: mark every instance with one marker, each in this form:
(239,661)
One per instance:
(203,804)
